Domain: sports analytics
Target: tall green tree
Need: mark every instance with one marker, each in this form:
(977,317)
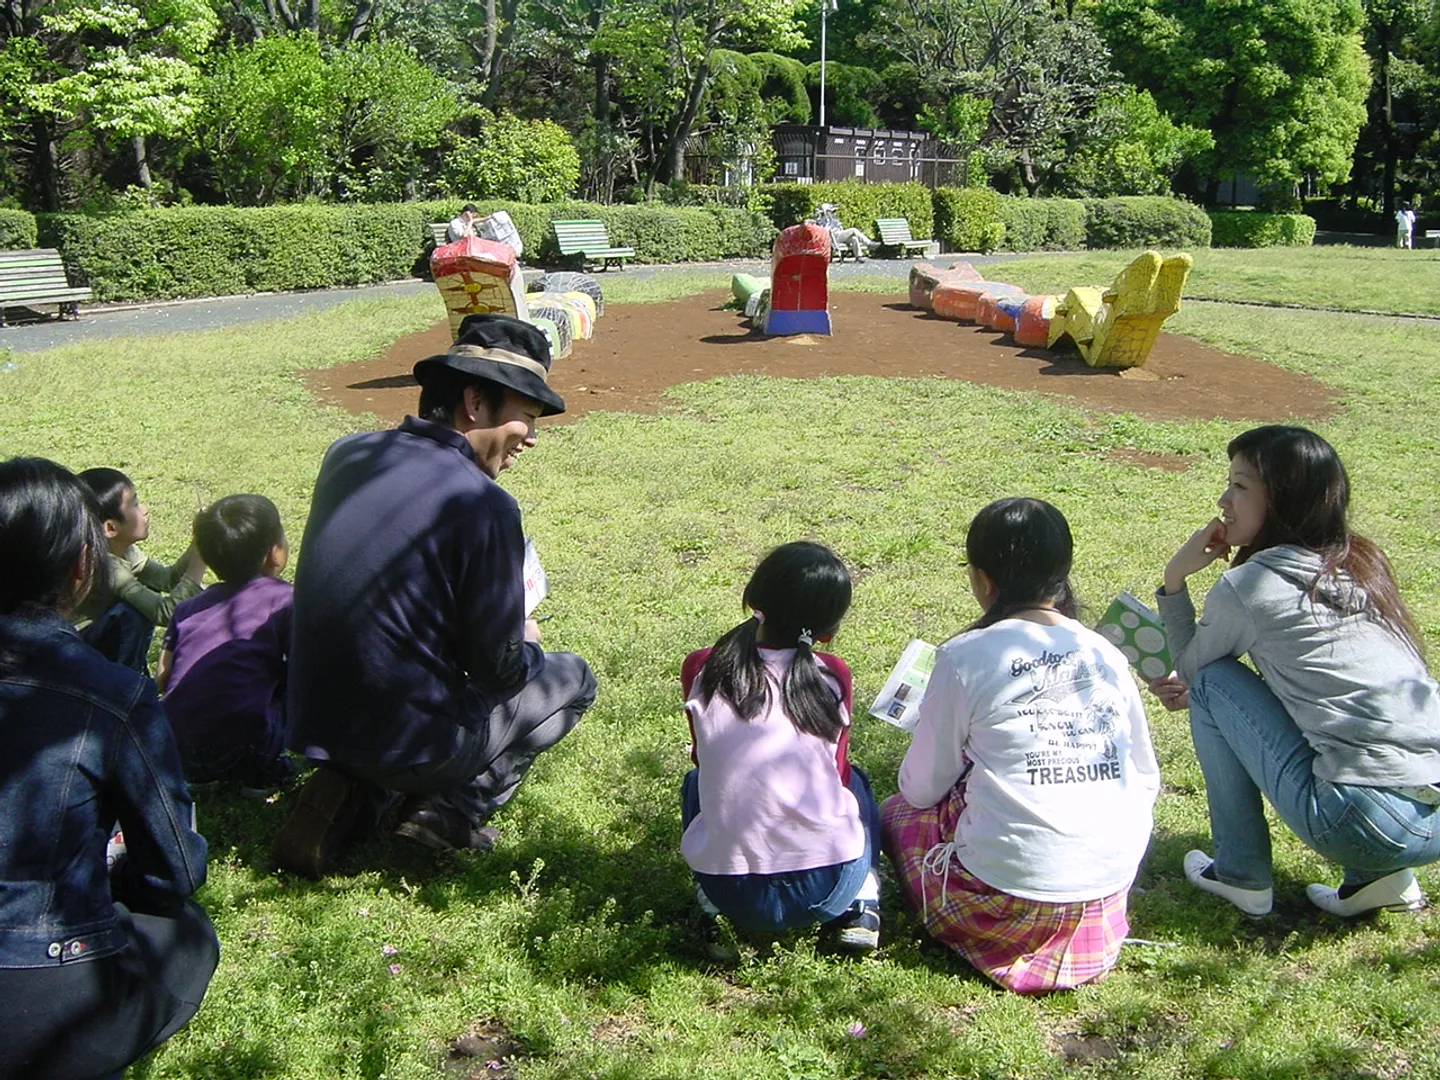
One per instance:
(662,56)
(1279,84)
(1039,68)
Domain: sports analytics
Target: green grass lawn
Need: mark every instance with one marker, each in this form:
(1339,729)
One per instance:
(571,947)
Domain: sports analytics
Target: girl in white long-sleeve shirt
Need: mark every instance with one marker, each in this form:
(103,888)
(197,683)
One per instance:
(1025,799)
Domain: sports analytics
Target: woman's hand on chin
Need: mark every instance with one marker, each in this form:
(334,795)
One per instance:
(1206,544)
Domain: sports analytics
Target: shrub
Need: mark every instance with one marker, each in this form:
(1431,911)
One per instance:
(858,204)
(209,251)
(1253,229)
(1145,221)
(1065,230)
(528,160)
(218,250)
(968,219)
(665,234)
(680,193)
(17,229)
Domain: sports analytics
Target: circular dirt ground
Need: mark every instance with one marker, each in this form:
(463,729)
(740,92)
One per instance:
(641,349)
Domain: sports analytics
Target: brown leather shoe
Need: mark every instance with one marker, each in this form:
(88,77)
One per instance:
(331,809)
(442,828)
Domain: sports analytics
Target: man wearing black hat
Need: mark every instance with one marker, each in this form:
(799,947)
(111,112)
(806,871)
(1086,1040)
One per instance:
(413,665)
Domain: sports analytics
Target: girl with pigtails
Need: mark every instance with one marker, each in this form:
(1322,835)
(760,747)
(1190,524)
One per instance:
(780,829)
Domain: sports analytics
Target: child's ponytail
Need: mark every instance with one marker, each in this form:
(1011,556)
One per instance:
(809,700)
(735,671)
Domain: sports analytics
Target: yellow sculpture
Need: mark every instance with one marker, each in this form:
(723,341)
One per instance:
(1118,327)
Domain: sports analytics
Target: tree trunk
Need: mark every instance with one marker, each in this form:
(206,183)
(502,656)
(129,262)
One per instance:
(685,123)
(1387,122)
(360,22)
(142,161)
(47,165)
(601,64)
(509,11)
(492,34)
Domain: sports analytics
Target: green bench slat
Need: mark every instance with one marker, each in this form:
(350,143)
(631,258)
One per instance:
(895,232)
(37,277)
(588,239)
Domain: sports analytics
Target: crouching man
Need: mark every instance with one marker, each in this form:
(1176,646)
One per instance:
(414,668)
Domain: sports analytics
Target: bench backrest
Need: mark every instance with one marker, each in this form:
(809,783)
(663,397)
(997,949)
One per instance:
(574,237)
(439,231)
(893,230)
(33,269)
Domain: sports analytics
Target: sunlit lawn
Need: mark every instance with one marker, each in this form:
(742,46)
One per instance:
(572,943)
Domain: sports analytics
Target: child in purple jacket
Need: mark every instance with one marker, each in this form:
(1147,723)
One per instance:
(222,664)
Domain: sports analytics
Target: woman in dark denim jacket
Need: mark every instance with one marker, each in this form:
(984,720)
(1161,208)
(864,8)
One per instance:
(96,967)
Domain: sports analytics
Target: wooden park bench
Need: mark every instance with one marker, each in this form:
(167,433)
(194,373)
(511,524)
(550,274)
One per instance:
(439,231)
(37,276)
(895,233)
(1433,235)
(588,240)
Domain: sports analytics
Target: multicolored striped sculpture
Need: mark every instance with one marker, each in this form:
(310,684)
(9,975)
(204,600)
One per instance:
(1114,327)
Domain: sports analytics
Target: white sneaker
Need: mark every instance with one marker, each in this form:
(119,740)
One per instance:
(1253,902)
(1393,892)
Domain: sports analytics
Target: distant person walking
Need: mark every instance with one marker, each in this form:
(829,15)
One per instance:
(1405,226)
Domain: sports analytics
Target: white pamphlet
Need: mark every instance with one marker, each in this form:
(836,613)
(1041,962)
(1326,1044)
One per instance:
(899,700)
(536,584)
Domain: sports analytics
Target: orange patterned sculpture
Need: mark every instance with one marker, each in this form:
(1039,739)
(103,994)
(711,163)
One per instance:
(476,276)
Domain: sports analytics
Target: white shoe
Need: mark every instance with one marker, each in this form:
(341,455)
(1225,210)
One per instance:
(1253,902)
(1393,892)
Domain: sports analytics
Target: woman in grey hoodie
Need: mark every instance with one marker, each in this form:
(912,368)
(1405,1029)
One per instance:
(1340,729)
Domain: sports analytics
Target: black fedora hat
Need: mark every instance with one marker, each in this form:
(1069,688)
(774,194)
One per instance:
(500,349)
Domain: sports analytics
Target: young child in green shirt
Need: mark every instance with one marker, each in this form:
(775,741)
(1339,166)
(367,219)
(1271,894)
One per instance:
(119,616)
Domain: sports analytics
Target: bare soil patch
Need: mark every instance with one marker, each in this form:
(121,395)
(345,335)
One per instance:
(640,350)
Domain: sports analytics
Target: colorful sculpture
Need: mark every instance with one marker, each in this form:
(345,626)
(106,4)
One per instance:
(799,282)
(475,276)
(1118,327)
(1115,327)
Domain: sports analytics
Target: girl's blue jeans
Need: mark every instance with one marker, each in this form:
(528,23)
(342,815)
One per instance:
(772,903)
(1249,746)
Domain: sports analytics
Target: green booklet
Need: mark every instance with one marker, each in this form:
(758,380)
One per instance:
(899,700)
(1137,631)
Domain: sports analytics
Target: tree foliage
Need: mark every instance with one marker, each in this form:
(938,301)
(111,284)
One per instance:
(527,160)
(1279,84)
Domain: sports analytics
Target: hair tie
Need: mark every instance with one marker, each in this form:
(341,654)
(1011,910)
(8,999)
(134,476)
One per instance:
(758,615)
(806,638)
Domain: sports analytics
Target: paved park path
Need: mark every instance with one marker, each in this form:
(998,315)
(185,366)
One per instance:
(100,321)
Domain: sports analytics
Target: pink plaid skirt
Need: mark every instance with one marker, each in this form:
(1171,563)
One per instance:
(1029,946)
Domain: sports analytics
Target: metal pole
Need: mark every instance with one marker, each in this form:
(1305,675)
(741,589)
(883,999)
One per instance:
(824,7)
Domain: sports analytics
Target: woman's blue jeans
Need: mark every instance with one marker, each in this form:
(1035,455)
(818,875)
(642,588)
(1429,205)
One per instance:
(772,903)
(1249,746)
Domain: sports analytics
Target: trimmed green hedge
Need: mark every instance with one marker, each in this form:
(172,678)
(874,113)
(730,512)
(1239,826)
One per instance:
(1042,224)
(968,219)
(1253,229)
(219,250)
(858,204)
(17,230)
(1141,221)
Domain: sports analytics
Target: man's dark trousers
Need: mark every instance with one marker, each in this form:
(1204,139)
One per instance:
(497,742)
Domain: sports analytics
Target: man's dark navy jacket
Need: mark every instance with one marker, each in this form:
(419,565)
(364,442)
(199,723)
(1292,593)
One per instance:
(409,585)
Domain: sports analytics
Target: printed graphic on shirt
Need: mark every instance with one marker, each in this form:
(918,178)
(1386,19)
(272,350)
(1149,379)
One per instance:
(1073,728)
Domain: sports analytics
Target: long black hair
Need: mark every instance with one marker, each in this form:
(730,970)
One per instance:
(1025,547)
(801,590)
(1307,498)
(49,524)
